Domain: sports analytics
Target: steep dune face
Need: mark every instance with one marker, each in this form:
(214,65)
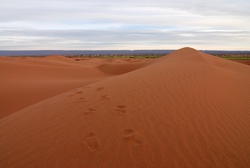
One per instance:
(188,109)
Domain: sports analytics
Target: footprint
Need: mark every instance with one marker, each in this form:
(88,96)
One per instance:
(128,133)
(78,92)
(90,111)
(90,134)
(74,93)
(123,111)
(100,88)
(91,142)
(105,97)
(121,108)
(82,99)
(136,141)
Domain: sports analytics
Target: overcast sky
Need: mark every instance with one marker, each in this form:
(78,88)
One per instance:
(132,24)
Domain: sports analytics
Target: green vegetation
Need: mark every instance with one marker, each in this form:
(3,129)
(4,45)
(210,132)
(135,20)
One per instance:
(234,57)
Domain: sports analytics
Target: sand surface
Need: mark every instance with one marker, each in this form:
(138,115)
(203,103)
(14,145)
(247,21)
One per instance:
(247,62)
(187,109)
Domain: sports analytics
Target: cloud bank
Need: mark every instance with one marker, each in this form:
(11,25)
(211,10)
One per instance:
(98,24)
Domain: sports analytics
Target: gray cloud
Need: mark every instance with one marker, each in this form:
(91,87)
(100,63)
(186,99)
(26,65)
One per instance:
(119,39)
(98,24)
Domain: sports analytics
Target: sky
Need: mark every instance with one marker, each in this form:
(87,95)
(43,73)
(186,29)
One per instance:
(130,25)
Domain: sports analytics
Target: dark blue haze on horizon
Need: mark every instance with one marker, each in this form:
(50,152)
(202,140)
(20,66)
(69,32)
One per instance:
(104,52)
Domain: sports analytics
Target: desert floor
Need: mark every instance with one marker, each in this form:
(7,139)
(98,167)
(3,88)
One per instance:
(187,109)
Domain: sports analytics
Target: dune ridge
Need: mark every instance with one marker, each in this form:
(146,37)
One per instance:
(187,109)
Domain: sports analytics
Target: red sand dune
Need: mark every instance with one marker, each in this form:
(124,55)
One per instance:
(27,80)
(188,109)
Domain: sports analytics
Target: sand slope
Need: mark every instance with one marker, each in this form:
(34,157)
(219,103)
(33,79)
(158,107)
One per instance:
(30,80)
(188,109)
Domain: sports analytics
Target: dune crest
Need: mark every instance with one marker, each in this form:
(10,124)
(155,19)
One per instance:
(188,109)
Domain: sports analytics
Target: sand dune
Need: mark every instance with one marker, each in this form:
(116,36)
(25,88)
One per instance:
(187,109)
(31,80)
